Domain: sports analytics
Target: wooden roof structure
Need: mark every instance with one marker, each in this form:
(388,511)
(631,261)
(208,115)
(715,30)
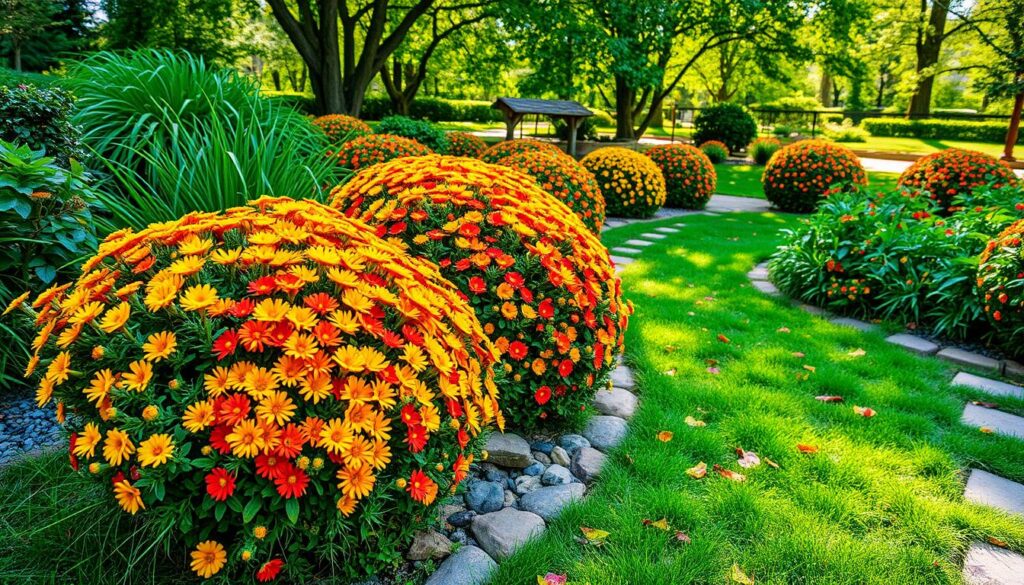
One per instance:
(515,108)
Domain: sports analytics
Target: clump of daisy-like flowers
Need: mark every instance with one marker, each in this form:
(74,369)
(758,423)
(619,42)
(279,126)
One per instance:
(540,282)
(340,128)
(276,385)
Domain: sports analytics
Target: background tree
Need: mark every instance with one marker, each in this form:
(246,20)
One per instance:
(23,20)
(207,28)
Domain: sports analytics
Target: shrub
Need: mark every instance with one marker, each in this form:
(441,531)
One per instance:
(730,124)
(466,144)
(423,132)
(340,128)
(689,175)
(377,148)
(715,151)
(273,379)
(567,181)
(954,171)
(631,183)
(762,149)
(994,132)
(1000,286)
(585,130)
(434,109)
(803,173)
(40,118)
(541,283)
(845,131)
(508,148)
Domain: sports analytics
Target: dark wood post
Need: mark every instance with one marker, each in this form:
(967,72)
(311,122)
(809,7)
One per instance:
(573,121)
(1012,132)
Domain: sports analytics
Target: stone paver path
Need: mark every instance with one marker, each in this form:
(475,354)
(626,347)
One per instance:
(993,420)
(991,490)
(993,387)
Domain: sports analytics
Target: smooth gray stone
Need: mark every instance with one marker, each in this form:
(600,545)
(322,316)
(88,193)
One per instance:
(987,564)
(469,566)
(548,502)
(605,432)
(429,544)
(622,377)
(1003,423)
(615,402)
(556,475)
(667,230)
(969,358)
(587,463)
(765,287)
(641,243)
(913,343)
(502,533)
(622,260)
(653,236)
(508,450)
(561,456)
(572,443)
(993,387)
(991,490)
(854,323)
(625,250)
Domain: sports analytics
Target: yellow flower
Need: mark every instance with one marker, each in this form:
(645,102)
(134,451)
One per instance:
(100,386)
(356,482)
(259,532)
(302,317)
(358,452)
(117,447)
(509,310)
(208,558)
(115,318)
(59,369)
(198,416)
(194,245)
(300,345)
(128,496)
(414,356)
(276,407)
(350,359)
(198,297)
(247,439)
(160,345)
(87,313)
(272,310)
(258,382)
(226,257)
(431,418)
(155,450)
(336,436)
(44,393)
(17,302)
(150,413)
(85,444)
(138,377)
(98,352)
(187,265)
(161,294)
(315,387)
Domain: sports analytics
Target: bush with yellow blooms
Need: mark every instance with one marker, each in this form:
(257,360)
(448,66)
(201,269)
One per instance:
(631,183)
(508,148)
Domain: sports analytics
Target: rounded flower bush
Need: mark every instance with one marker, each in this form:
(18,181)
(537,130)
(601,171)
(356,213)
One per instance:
(689,175)
(631,183)
(508,148)
(274,386)
(715,151)
(539,281)
(567,181)
(421,131)
(944,175)
(465,144)
(340,128)
(803,173)
(1001,285)
(762,149)
(377,148)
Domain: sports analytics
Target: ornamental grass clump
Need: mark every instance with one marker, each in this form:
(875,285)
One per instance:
(374,149)
(567,181)
(689,175)
(508,148)
(270,386)
(539,281)
(717,152)
(955,171)
(762,149)
(803,173)
(465,144)
(340,128)
(631,183)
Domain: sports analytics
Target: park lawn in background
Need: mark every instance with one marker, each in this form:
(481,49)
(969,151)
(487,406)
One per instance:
(880,502)
(923,145)
(745,180)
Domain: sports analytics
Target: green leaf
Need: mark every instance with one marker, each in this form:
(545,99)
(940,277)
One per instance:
(250,511)
(291,508)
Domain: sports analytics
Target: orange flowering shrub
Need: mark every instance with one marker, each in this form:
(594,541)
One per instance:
(340,128)
(567,180)
(715,150)
(508,148)
(374,149)
(466,144)
(631,183)
(689,175)
(274,383)
(539,281)
(1000,283)
(944,175)
(801,174)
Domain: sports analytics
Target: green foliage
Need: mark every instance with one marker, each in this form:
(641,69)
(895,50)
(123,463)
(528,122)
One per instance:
(845,132)
(64,27)
(200,27)
(762,149)
(715,150)
(419,130)
(40,118)
(728,123)
(689,175)
(585,130)
(966,130)
(945,174)
(433,109)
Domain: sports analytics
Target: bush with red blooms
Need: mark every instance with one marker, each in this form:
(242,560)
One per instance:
(801,174)
(540,282)
(508,148)
(567,181)
(374,149)
(631,183)
(466,144)
(689,175)
(1000,284)
(340,128)
(275,387)
(944,175)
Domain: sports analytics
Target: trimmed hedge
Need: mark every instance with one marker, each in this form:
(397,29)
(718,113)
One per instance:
(433,109)
(994,132)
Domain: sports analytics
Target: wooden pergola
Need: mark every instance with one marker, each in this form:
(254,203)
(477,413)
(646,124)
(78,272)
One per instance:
(569,111)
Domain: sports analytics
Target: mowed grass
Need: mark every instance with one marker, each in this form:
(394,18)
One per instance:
(881,502)
(745,180)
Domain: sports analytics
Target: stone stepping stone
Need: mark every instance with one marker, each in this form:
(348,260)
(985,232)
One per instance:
(547,502)
(651,236)
(854,323)
(991,490)
(605,432)
(469,566)
(615,402)
(667,230)
(993,387)
(679,224)
(622,260)
(508,450)
(1000,422)
(987,564)
(614,223)
(622,377)
(624,250)
(758,273)
(913,343)
(502,533)
(813,310)
(587,463)
(969,358)
(711,213)
(1013,369)
(641,243)
(765,287)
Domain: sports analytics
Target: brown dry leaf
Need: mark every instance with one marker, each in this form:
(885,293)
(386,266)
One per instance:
(807,449)
(670,348)
(984,404)
(864,411)
(771,463)
(747,459)
(857,353)
(629,459)
(698,471)
(665,436)
(736,575)
(829,398)
(659,524)
(729,474)
(690,421)
(811,369)
(723,338)
(711,362)
(997,542)
(682,537)
(594,536)
(986,430)
(802,376)
(782,330)
(799,354)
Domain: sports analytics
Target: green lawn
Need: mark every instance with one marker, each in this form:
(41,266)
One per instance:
(881,502)
(745,180)
(923,145)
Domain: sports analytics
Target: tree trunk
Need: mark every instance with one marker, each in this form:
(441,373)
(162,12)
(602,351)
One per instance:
(1012,132)
(825,89)
(17,55)
(623,109)
(928,47)
(275,76)
(880,98)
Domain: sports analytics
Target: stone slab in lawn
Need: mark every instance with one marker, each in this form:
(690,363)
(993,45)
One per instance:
(641,243)
(913,343)
(991,490)
(548,502)
(813,310)
(615,402)
(502,533)
(622,377)
(622,260)
(990,565)
(624,250)
(854,323)
(1000,422)
(614,223)
(758,273)
(667,230)
(993,387)
(653,236)
(605,432)
(765,287)
(969,358)
(508,450)
(679,224)
(587,463)
(469,566)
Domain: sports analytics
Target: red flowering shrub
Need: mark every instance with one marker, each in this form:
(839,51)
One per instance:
(689,175)
(507,148)
(801,174)
(340,128)
(273,384)
(1001,285)
(944,175)
(631,183)
(567,180)
(541,283)
(374,149)
(466,144)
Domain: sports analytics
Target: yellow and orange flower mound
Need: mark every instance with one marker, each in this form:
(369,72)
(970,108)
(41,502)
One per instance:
(508,148)
(689,175)
(944,175)
(631,183)
(374,149)
(466,144)
(567,181)
(277,370)
(1001,284)
(540,282)
(340,128)
(803,173)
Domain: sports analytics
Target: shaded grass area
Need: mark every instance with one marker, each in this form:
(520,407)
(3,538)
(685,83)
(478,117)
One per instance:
(881,502)
(745,180)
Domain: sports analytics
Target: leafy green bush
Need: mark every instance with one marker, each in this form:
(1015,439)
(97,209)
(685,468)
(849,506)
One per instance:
(799,175)
(845,132)
(419,130)
(585,130)
(762,149)
(40,118)
(433,109)
(303,102)
(994,132)
(730,124)
(715,151)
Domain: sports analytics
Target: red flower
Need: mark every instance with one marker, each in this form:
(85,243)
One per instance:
(218,439)
(269,570)
(412,335)
(254,334)
(469,230)
(270,466)
(463,438)
(417,438)
(477,285)
(321,303)
(515,279)
(226,344)
(546,308)
(292,482)
(565,368)
(234,409)
(421,488)
(291,442)
(542,395)
(242,308)
(220,484)
(264,285)
(517,350)
(410,416)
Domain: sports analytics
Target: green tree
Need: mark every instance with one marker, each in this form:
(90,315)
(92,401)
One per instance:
(202,27)
(67,30)
(23,20)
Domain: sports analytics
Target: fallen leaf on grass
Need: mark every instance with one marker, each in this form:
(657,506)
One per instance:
(857,353)
(690,313)
(690,421)
(782,330)
(827,398)
(864,411)
(594,536)
(811,369)
(659,524)
(671,372)
(806,449)
(997,542)
(729,474)
(738,576)
(747,459)
(670,348)
(711,362)
(714,370)
(629,459)
(723,338)
(799,354)
(771,463)
(682,537)
(698,471)
(802,376)
(552,579)
(986,430)
(665,436)
(984,404)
